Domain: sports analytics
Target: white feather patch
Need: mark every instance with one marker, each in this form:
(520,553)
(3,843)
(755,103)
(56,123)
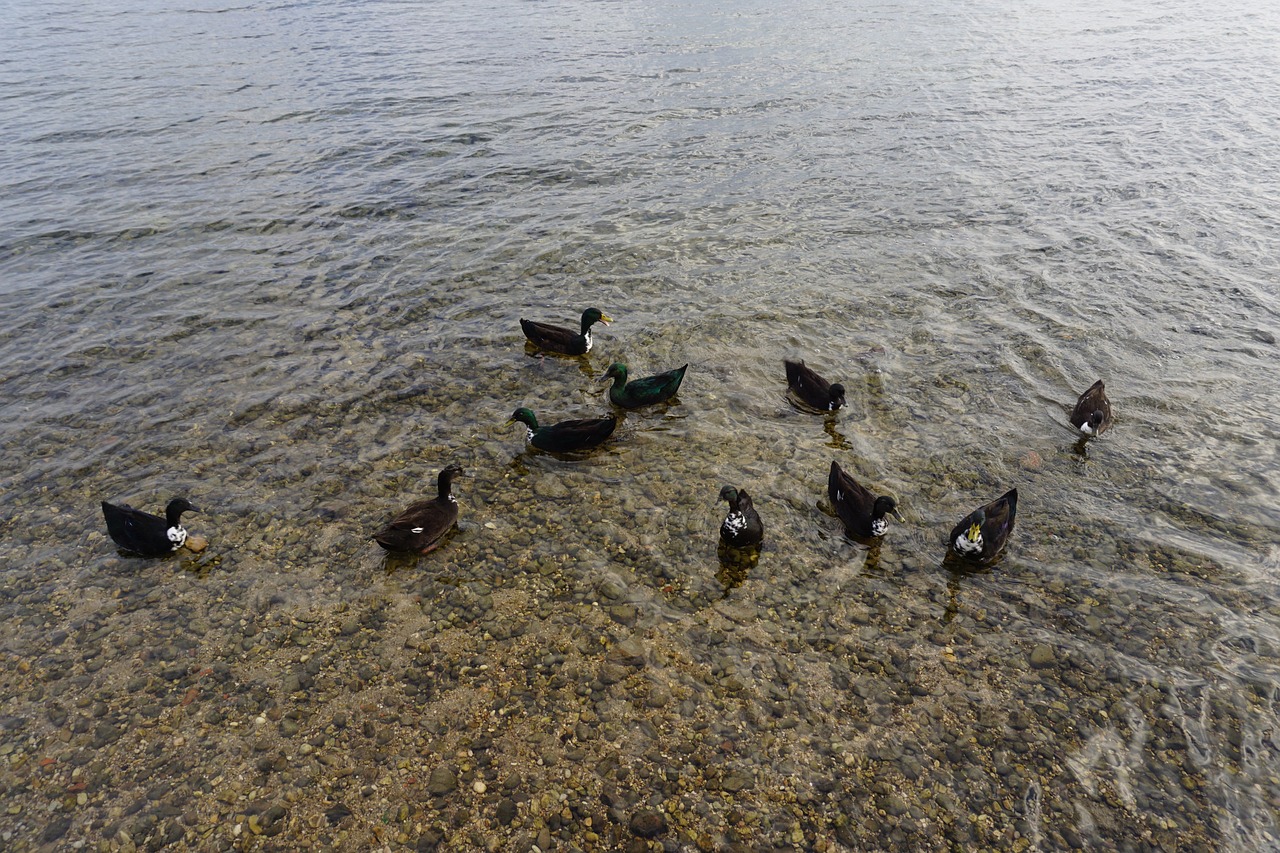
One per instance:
(966,546)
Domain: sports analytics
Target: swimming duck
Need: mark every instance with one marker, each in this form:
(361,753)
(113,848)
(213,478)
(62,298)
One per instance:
(642,392)
(980,535)
(811,389)
(742,527)
(423,525)
(143,533)
(566,435)
(1092,414)
(862,512)
(562,340)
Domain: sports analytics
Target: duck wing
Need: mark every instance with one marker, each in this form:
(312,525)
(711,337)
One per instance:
(999,523)
(574,435)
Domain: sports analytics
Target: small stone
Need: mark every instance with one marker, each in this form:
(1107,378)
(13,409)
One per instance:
(442,780)
(56,829)
(629,652)
(478,786)
(647,823)
(1041,656)
(506,811)
(196,544)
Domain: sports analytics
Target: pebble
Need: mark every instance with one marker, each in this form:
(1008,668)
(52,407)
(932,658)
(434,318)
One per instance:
(1041,656)
(647,823)
(442,780)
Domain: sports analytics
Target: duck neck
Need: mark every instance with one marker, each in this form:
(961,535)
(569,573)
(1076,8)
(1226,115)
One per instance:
(444,486)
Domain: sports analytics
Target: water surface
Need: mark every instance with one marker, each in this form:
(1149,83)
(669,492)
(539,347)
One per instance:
(273,257)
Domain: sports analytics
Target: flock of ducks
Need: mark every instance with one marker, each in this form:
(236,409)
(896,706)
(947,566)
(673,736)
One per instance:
(978,539)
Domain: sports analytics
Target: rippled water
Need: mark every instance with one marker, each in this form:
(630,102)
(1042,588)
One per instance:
(273,257)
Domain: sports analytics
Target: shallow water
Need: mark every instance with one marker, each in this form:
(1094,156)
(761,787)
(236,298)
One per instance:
(273,257)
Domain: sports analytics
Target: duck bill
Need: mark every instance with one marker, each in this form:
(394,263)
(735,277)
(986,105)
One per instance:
(898,515)
(606,319)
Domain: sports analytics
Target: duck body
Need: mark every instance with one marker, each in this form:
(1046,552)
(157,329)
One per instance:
(565,436)
(864,515)
(742,527)
(563,340)
(642,392)
(981,535)
(811,389)
(423,525)
(1092,413)
(143,533)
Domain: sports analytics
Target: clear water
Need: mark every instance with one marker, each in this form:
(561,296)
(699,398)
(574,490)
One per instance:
(273,257)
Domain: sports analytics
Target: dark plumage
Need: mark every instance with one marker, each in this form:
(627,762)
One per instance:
(423,525)
(742,527)
(146,534)
(642,392)
(566,435)
(981,535)
(862,512)
(559,339)
(811,389)
(1092,414)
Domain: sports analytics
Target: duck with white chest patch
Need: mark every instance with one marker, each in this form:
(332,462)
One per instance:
(741,527)
(145,534)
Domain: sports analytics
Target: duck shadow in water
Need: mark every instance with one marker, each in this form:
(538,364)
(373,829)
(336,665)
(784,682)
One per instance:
(957,570)
(735,565)
(542,360)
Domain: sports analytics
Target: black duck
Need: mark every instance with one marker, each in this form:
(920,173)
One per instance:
(981,535)
(423,525)
(811,389)
(742,527)
(143,533)
(1092,414)
(863,514)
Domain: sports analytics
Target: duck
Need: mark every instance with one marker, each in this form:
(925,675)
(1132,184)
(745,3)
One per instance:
(642,392)
(1092,414)
(559,339)
(981,535)
(423,524)
(811,389)
(742,527)
(863,514)
(566,435)
(145,534)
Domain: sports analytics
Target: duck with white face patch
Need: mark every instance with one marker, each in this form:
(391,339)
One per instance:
(981,535)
